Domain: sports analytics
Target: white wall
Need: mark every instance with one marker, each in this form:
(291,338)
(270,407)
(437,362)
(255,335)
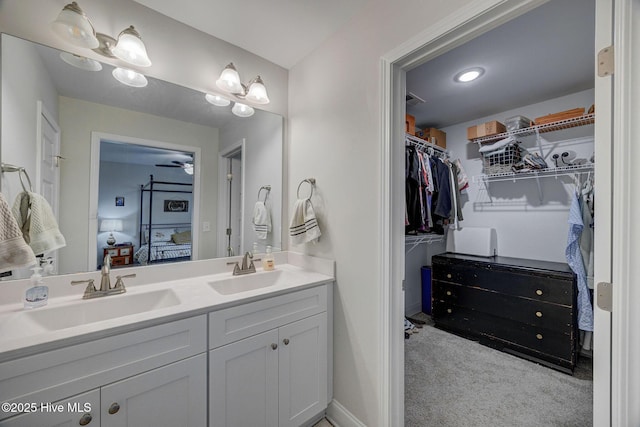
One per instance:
(526,226)
(24,83)
(334,116)
(263,159)
(77,120)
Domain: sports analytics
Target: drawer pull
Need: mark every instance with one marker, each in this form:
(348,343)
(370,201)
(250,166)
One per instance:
(448,276)
(114,408)
(539,292)
(538,314)
(539,336)
(286,341)
(449,311)
(448,293)
(85,420)
(274,346)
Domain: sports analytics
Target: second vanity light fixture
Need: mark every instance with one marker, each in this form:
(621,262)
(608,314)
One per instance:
(74,26)
(229,82)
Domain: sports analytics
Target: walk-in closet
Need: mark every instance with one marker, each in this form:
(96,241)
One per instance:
(499,225)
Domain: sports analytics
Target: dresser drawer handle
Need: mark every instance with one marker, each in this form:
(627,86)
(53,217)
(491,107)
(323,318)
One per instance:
(449,311)
(539,292)
(449,276)
(539,336)
(448,293)
(538,314)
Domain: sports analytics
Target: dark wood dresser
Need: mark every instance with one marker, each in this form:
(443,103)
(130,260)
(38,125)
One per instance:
(520,306)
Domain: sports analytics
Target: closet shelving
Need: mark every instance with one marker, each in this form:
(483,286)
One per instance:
(586,119)
(425,145)
(583,120)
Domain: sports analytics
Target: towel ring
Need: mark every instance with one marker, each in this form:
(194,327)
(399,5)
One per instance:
(21,171)
(267,188)
(311,182)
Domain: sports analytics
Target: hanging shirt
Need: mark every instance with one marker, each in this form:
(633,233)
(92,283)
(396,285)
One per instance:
(574,259)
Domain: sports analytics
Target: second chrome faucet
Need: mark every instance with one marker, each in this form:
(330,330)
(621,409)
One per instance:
(247,266)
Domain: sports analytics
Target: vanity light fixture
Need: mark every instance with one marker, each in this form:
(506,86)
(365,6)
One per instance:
(242,110)
(81,62)
(254,91)
(129,77)
(73,26)
(217,100)
(469,75)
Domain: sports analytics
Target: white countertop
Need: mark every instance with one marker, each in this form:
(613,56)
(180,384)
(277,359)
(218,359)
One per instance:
(23,333)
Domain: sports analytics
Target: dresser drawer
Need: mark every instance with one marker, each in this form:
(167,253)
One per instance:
(541,343)
(242,321)
(532,312)
(549,288)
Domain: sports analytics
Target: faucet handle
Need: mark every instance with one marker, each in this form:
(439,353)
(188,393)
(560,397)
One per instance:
(120,283)
(89,290)
(236,267)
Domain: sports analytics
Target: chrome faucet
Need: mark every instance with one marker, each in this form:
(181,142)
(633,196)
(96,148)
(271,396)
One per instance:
(105,282)
(247,265)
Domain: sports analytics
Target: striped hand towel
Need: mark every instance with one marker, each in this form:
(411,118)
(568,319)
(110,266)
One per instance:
(261,220)
(304,225)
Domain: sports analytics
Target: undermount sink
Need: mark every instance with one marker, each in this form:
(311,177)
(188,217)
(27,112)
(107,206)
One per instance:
(250,282)
(97,310)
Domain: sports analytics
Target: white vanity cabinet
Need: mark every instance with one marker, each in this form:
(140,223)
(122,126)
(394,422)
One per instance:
(155,376)
(269,361)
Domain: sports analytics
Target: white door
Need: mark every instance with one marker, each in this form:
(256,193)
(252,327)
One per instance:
(170,396)
(243,382)
(231,208)
(48,170)
(303,370)
(83,410)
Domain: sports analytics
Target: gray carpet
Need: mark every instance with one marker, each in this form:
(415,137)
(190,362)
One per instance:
(454,382)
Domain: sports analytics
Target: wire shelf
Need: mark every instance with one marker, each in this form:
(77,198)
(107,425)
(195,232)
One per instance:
(553,172)
(424,144)
(583,120)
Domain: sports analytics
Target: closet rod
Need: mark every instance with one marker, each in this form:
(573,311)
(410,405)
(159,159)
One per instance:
(414,140)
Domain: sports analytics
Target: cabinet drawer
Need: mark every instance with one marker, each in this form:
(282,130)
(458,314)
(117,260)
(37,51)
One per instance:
(503,334)
(550,288)
(242,321)
(57,374)
(555,317)
(72,414)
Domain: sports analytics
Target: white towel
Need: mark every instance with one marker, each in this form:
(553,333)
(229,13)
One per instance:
(497,145)
(14,251)
(37,222)
(261,220)
(304,225)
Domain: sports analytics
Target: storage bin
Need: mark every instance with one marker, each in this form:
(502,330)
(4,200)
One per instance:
(493,127)
(517,122)
(425,273)
(502,160)
(410,124)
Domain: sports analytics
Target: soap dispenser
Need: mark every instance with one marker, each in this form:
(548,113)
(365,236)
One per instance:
(268,262)
(38,294)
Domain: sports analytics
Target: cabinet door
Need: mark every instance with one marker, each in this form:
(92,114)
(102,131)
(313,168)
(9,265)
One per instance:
(303,370)
(81,410)
(243,382)
(170,396)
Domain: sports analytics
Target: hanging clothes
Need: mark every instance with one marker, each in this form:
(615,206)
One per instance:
(574,259)
(412,190)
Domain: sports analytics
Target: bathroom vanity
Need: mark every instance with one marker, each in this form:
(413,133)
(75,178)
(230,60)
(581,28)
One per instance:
(216,350)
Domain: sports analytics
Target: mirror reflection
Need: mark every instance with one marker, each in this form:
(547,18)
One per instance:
(91,146)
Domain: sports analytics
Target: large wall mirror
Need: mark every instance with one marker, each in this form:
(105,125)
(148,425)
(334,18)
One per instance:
(107,155)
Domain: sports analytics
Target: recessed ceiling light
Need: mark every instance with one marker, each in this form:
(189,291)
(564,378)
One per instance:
(469,75)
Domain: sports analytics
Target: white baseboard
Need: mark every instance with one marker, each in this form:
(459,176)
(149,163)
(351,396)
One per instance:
(339,416)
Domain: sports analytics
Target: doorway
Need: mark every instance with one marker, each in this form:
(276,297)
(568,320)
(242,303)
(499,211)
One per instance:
(231,184)
(426,46)
(116,194)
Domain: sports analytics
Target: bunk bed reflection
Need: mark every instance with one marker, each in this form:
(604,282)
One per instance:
(162,241)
